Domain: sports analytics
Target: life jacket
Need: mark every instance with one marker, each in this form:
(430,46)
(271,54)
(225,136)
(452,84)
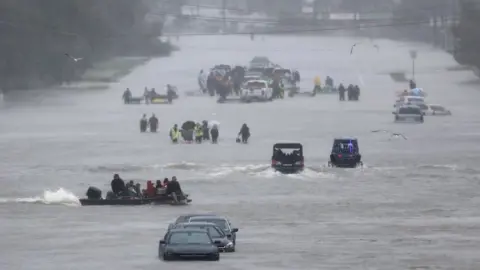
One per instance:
(198,131)
(174,134)
(317,81)
(150,189)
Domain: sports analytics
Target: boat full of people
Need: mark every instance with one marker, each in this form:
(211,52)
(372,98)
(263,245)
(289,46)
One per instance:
(167,192)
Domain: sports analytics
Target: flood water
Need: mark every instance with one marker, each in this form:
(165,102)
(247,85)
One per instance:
(414,205)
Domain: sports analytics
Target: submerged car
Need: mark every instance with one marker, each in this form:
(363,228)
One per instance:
(288,157)
(256,90)
(408,114)
(217,234)
(345,153)
(188,244)
(222,222)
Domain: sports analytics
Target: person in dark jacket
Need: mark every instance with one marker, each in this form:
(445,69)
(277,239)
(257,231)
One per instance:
(127,95)
(244,133)
(118,185)
(174,189)
(350,91)
(206,130)
(413,85)
(143,123)
(153,122)
(214,133)
(341,92)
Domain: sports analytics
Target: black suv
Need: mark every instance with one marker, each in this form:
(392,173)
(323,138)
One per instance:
(288,157)
(345,153)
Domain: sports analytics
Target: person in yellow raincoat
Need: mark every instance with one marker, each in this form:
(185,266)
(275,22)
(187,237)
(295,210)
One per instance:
(317,82)
(198,133)
(175,134)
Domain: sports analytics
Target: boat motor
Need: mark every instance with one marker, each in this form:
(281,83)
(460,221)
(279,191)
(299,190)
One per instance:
(94,193)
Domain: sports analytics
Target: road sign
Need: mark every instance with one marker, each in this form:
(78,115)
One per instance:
(413,54)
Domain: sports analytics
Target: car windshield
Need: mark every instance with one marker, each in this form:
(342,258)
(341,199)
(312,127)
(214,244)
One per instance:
(189,238)
(256,85)
(437,108)
(212,230)
(409,110)
(221,223)
(345,146)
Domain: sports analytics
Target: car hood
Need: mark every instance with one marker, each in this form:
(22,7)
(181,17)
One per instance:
(190,248)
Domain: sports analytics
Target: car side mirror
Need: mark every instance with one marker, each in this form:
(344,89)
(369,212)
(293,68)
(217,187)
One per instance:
(217,242)
(229,235)
(234,230)
(394,113)
(162,242)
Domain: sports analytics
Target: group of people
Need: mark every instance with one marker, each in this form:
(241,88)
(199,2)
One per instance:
(317,82)
(133,190)
(150,123)
(353,92)
(199,133)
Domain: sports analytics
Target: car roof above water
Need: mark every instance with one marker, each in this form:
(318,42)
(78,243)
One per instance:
(345,139)
(184,230)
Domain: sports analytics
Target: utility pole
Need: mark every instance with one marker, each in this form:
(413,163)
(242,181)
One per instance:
(198,7)
(413,56)
(224,14)
(315,5)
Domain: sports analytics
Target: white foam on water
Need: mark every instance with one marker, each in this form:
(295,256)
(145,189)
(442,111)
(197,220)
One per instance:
(59,196)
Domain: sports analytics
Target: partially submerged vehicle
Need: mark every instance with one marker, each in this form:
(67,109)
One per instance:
(288,157)
(435,109)
(94,197)
(409,114)
(188,243)
(409,100)
(256,90)
(345,153)
(224,243)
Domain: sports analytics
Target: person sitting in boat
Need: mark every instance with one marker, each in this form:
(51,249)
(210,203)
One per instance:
(118,185)
(158,184)
(131,189)
(150,191)
(174,189)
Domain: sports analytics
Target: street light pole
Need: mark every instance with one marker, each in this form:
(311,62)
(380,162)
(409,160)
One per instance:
(413,56)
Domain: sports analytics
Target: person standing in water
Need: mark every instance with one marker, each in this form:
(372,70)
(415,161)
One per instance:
(153,122)
(214,133)
(174,134)
(143,123)
(198,133)
(244,133)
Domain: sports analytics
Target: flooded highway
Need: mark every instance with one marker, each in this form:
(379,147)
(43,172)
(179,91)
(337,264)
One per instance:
(414,205)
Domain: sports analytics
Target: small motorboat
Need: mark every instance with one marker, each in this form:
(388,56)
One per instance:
(94,197)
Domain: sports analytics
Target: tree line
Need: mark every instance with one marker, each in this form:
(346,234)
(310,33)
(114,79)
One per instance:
(36,34)
(467,34)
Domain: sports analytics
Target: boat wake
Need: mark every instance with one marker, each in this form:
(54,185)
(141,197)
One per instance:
(58,197)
